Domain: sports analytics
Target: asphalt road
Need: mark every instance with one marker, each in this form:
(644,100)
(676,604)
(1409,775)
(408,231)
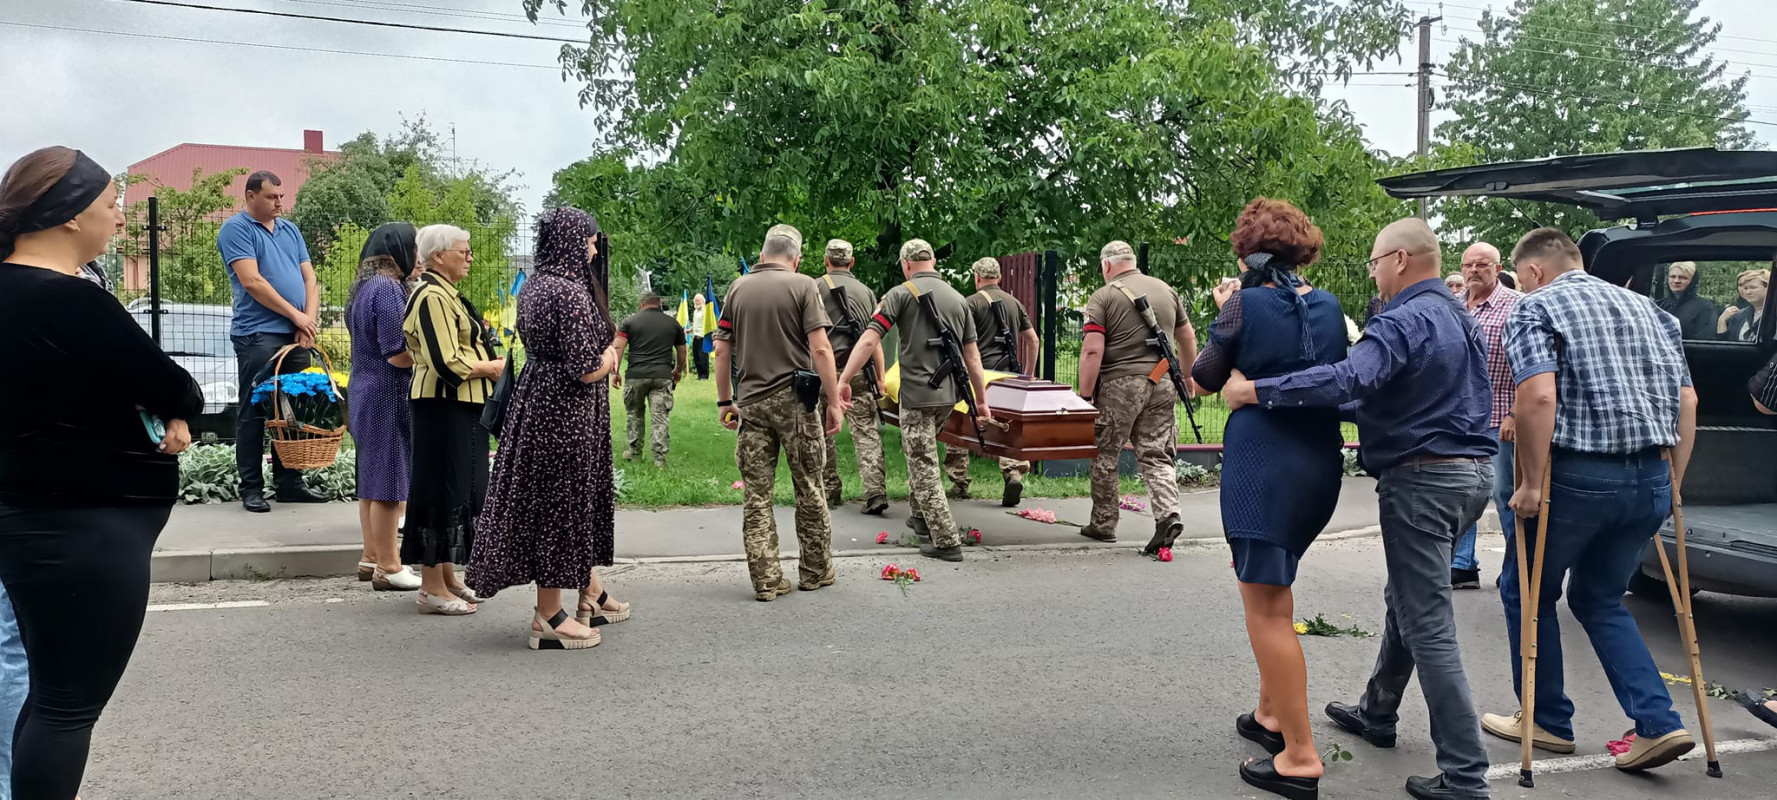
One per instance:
(1013,675)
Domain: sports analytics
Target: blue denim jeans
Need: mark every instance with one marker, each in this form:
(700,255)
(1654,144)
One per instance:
(1603,509)
(15,683)
(1502,497)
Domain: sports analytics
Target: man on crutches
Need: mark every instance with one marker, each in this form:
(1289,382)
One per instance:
(1616,363)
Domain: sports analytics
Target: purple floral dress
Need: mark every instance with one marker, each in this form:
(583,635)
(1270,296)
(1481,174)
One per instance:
(377,395)
(551,506)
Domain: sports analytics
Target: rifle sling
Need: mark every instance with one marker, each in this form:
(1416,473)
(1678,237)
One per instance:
(1158,373)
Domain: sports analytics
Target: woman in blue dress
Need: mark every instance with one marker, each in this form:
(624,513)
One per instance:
(382,374)
(1281,469)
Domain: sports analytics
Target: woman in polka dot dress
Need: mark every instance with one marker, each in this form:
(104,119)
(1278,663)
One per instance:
(551,507)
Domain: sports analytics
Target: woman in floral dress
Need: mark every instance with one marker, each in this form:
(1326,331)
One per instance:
(551,508)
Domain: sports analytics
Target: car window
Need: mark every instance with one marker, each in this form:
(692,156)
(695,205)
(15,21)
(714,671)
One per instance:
(196,334)
(1716,301)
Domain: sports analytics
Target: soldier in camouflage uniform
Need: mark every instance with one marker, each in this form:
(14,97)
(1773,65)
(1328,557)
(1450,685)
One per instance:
(866,436)
(775,320)
(652,338)
(997,344)
(923,409)
(1118,374)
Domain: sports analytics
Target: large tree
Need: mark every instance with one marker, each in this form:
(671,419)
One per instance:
(986,126)
(1565,77)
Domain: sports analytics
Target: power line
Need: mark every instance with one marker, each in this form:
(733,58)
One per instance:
(1606,59)
(460,13)
(1561,94)
(1603,22)
(1603,39)
(295,48)
(346,21)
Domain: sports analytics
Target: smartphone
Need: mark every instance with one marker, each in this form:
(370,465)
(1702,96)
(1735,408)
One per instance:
(157,430)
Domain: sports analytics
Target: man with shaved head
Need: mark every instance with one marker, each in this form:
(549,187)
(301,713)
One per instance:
(1419,381)
(1490,301)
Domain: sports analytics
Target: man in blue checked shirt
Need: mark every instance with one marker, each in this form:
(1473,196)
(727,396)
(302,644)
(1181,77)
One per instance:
(1424,411)
(1603,392)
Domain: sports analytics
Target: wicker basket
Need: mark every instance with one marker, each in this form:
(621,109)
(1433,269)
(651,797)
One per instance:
(300,446)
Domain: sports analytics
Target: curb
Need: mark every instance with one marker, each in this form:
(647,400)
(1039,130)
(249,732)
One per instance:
(333,561)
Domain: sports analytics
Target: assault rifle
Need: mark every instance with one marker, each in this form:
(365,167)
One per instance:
(952,365)
(851,326)
(1162,341)
(1006,337)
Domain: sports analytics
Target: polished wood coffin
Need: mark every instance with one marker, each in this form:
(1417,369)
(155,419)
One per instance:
(1043,421)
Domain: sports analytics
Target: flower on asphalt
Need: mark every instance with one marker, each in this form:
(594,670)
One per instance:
(1165,554)
(1130,502)
(889,572)
(882,538)
(1038,515)
(1301,629)
(1618,747)
(912,573)
(974,536)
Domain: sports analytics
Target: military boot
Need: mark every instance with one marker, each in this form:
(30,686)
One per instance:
(1166,531)
(918,524)
(1093,532)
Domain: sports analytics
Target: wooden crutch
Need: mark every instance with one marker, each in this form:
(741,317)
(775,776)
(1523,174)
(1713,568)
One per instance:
(1687,625)
(1530,589)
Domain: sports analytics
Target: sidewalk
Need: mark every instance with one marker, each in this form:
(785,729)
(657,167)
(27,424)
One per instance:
(223,542)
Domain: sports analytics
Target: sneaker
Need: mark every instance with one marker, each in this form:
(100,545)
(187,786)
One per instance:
(1465,578)
(1092,532)
(768,595)
(1013,494)
(1507,728)
(1650,753)
(951,553)
(826,580)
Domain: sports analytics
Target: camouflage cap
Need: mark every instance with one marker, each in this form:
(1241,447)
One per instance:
(839,249)
(917,250)
(1116,250)
(781,231)
(987,268)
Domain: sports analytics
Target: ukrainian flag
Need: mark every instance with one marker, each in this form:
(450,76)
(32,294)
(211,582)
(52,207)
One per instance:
(684,315)
(710,315)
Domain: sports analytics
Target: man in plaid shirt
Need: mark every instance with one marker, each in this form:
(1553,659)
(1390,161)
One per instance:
(1490,301)
(1603,391)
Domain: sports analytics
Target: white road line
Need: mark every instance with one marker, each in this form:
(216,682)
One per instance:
(207,606)
(1557,766)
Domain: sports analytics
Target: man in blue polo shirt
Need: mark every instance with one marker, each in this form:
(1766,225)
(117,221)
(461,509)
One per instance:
(276,303)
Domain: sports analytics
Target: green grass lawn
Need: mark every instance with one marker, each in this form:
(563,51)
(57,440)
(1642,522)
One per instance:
(701,471)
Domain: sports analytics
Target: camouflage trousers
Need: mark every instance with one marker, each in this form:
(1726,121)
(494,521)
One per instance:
(925,488)
(1135,411)
(779,422)
(650,401)
(866,440)
(956,468)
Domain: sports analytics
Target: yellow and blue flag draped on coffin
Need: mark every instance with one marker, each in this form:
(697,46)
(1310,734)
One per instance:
(891,386)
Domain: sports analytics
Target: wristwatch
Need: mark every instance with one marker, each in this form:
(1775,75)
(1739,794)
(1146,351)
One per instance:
(724,403)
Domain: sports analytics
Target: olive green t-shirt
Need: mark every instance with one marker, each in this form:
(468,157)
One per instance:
(766,320)
(920,359)
(1126,348)
(995,350)
(654,338)
(858,298)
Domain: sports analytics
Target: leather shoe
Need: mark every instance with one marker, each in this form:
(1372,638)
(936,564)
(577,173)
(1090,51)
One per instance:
(1261,773)
(1091,532)
(1434,789)
(1249,728)
(951,553)
(298,494)
(254,501)
(1349,720)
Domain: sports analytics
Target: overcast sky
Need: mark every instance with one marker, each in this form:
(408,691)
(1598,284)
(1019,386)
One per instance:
(213,77)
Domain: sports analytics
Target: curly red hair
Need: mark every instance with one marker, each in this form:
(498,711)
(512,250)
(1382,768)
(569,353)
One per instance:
(1278,228)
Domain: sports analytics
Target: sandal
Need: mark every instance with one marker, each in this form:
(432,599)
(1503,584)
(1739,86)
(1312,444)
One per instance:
(1249,727)
(402,580)
(432,604)
(551,639)
(1260,773)
(366,569)
(467,594)
(594,614)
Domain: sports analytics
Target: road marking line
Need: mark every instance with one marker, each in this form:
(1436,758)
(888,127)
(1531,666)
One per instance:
(1557,766)
(207,606)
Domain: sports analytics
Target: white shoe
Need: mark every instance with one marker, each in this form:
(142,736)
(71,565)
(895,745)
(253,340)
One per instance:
(404,580)
(429,604)
(467,594)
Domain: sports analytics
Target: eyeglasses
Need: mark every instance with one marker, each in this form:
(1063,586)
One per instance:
(467,252)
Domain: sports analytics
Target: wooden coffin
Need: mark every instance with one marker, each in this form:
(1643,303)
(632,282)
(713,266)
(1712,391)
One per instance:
(1043,421)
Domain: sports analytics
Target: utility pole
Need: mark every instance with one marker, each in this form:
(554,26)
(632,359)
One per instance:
(1424,98)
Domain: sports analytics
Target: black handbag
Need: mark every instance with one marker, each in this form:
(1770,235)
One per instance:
(493,413)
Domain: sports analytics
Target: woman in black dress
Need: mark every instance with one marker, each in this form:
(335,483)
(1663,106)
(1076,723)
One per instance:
(87,480)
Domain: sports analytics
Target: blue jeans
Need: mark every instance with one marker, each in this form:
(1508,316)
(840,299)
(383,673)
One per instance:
(1502,497)
(1603,509)
(15,683)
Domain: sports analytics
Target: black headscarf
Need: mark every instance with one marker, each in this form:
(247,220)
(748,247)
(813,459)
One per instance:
(63,201)
(391,250)
(1263,268)
(561,251)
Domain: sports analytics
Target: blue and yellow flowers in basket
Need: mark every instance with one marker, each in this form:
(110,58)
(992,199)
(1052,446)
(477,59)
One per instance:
(305,415)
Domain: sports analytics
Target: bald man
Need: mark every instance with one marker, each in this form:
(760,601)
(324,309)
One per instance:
(1491,302)
(1419,381)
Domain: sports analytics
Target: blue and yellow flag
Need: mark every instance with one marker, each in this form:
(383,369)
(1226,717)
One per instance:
(707,325)
(684,315)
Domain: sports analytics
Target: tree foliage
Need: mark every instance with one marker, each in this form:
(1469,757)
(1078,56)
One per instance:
(1567,77)
(985,126)
(191,269)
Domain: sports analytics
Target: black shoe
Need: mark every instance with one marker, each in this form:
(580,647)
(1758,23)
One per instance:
(951,553)
(957,493)
(1166,531)
(876,506)
(918,524)
(1465,578)
(1260,773)
(1014,493)
(254,500)
(1433,789)
(835,499)
(1093,533)
(1349,720)
(1249,728)
(298,494)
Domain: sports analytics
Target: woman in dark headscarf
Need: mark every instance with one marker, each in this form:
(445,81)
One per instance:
(1696,315)
(382,374)
(552,503)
